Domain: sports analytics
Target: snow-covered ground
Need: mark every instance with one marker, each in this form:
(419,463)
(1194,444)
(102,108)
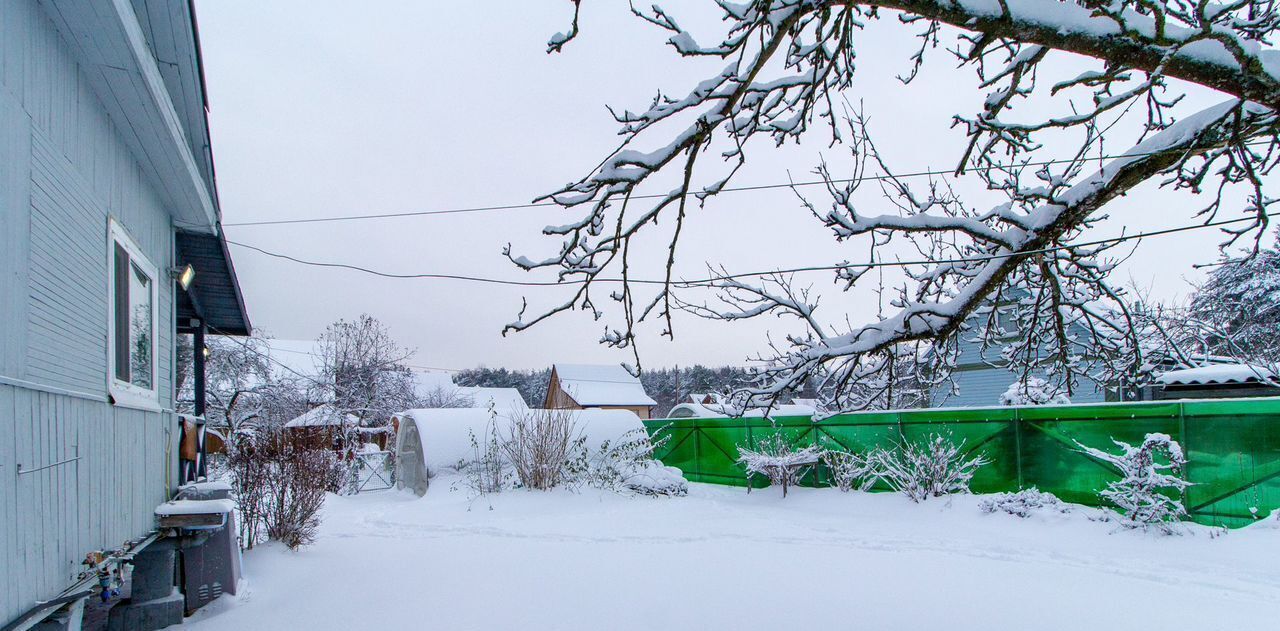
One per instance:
(722,559)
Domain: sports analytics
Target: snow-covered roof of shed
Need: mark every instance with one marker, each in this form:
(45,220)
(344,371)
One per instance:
(592,384)
(502,398)
(323,416)
(1217,374)
(428,382)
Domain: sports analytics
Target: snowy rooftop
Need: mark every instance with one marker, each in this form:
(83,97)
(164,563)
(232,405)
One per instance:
(1217,374)
(502,398)
(426,382)
(322,416)
(591,384)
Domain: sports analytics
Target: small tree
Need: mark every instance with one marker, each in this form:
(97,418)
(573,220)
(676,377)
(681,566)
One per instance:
(1150,485)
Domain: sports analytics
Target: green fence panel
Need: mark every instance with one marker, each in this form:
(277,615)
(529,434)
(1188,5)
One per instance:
(1232,447)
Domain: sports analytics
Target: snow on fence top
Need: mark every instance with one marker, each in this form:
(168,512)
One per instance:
(591,384)
(716,410)
(443,435)
(1218,373)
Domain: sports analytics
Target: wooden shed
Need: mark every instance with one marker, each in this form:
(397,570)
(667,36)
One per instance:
(601,387)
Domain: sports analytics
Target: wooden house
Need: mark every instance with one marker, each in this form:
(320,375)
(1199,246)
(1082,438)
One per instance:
(106,196)
(587,386)
(981,375)
(323,427)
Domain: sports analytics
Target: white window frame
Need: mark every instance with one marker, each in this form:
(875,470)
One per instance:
(124,393)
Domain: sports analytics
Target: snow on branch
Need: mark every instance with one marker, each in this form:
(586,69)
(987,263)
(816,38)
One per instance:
(1013,271)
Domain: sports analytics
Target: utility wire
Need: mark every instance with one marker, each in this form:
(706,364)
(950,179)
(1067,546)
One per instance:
(720,278)
(731,189)
(316,356)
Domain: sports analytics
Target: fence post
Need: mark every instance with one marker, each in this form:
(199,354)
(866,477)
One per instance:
(1017,444)
(1186,449)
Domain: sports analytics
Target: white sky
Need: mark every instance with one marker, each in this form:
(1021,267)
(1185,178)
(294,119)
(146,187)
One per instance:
(325,108)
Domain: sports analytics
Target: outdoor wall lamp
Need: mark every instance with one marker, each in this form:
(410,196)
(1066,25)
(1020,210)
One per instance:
(184,275)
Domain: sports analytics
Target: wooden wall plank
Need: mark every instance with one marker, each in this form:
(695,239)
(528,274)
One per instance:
(9,553)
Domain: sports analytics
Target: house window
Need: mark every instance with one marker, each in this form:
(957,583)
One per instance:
(132,340)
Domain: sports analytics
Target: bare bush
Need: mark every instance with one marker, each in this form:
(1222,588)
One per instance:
(779,461)
(1148,493)
(539,444)
(487,470)
(850,471)
(934,467)
(280,486)
(249,472)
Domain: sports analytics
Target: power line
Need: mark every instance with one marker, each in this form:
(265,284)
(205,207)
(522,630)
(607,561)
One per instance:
(731,189)
(316,356)
(720,278)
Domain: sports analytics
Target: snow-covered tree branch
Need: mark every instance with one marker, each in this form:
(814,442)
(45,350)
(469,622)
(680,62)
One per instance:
(1018,267)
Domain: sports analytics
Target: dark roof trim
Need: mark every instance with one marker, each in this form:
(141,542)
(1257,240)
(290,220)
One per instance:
(214,296)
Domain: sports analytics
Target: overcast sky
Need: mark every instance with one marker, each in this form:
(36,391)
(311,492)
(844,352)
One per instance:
(329,108)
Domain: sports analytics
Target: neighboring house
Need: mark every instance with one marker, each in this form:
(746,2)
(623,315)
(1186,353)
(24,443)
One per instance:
(106,190)
(587,386)
(323,427)
(980,377)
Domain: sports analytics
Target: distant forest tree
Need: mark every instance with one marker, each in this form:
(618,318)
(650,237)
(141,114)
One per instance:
(667,386)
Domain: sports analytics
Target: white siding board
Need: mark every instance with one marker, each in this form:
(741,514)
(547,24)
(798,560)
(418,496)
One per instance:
(8,498)
(15,213)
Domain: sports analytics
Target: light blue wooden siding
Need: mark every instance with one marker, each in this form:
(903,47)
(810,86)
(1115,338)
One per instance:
(977,383)
(63,171)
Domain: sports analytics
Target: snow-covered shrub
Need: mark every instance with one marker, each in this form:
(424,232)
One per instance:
(1024,503)
(1033,391)
(279,482)
(296,494)
(627,464)
(1150,484)
(779,461)
(850,471)
(933,467)
(539,445)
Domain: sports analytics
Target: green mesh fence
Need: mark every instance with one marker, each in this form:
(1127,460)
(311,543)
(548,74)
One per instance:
(1232,447)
